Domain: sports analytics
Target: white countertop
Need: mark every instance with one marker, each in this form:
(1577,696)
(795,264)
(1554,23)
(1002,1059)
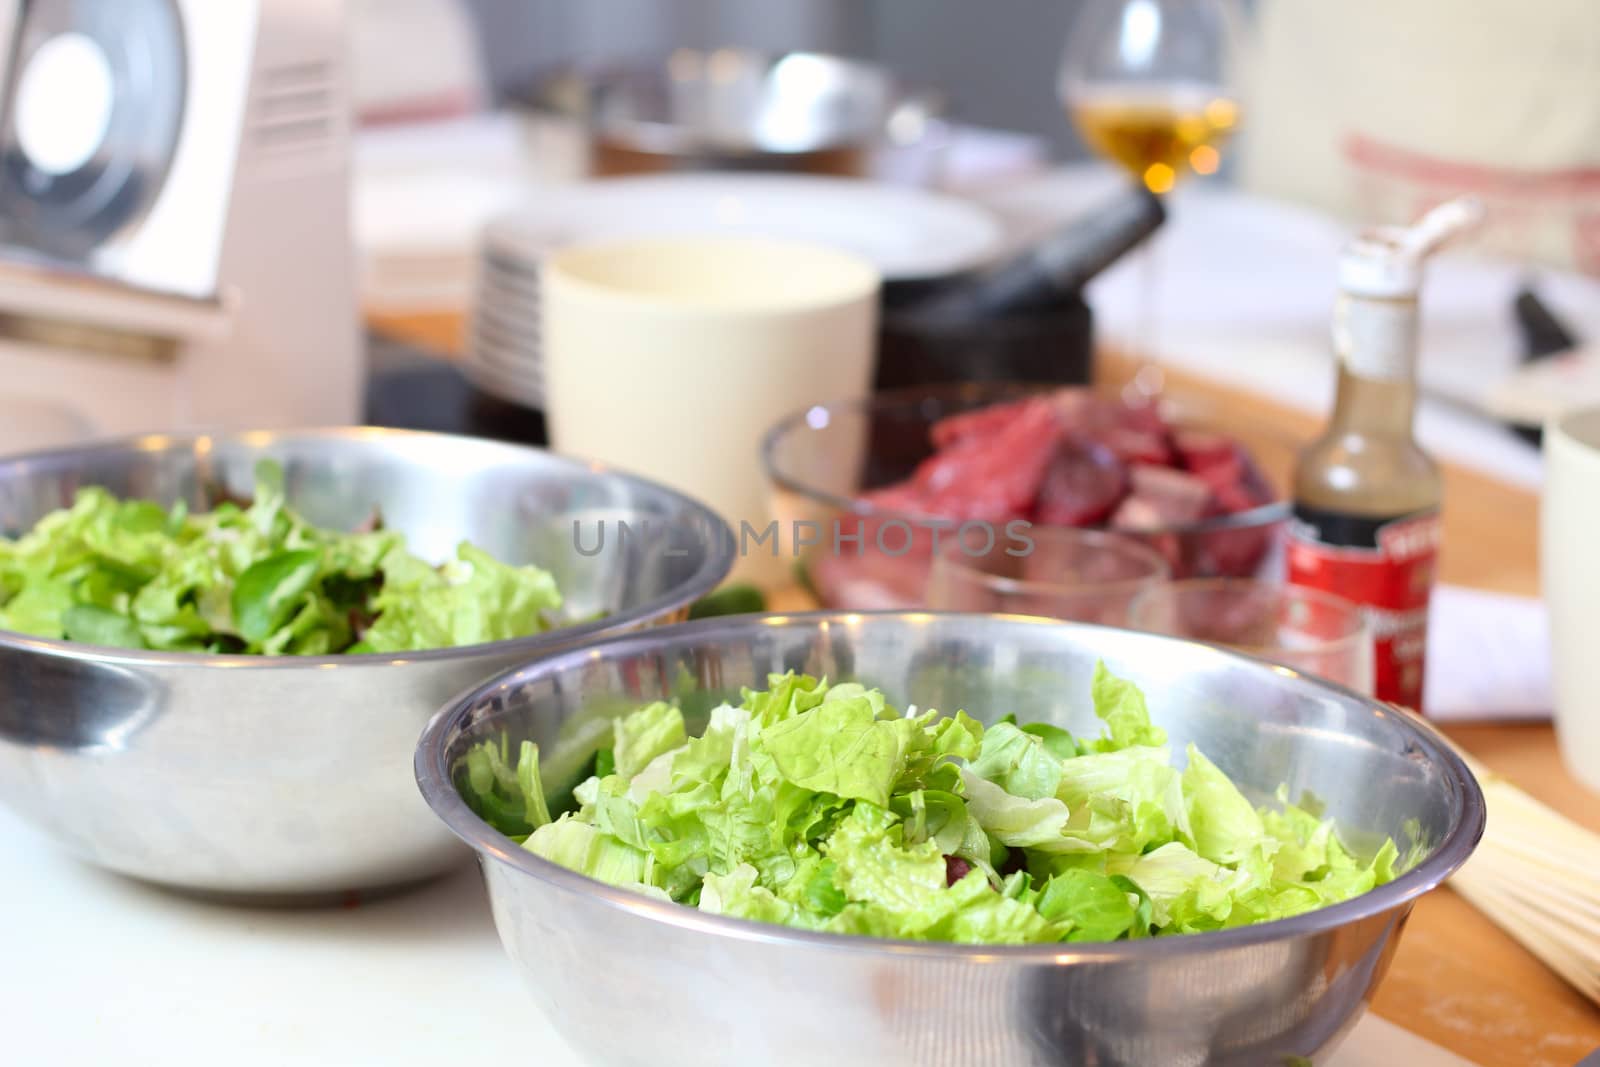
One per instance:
(96,969)
(100,969)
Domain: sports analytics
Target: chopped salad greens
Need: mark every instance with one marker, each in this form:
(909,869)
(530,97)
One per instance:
(255,578)
(821,807)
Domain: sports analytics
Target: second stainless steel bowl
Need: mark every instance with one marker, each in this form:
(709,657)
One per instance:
(274,776)
(635,982)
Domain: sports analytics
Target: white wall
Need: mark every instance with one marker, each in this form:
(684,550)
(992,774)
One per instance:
(997,58)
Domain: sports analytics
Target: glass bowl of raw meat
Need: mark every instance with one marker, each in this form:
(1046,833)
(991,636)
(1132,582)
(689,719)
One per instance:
(865,492)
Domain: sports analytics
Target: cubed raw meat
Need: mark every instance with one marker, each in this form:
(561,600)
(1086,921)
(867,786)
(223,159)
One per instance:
(1134,517)
(1236,496)
(1137,513)
(1141,418)
(982,423)
(1235,553)
(995,478)
(1081,408)
(1136,446)
(1082,486)
(1175,496)
(1076,457)
(1200,450)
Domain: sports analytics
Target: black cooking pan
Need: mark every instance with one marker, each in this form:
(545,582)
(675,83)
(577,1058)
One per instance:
(1022,320)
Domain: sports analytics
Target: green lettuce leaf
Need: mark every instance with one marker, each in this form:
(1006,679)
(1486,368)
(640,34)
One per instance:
(823,807)
(509,798)
(473,602)
(257,579)
(591,851)
(1121,706)
(873,865)
(1017,762)
(1098,908)
(737,894)
(646,734)
(1017,822)
(93,625)
(1225,826)
(1126,800)
(841,747)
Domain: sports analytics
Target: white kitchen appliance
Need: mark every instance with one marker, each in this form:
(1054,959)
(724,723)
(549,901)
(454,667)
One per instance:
(174,212)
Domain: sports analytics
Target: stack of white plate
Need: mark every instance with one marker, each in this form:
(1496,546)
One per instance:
(909,234)
(503,336)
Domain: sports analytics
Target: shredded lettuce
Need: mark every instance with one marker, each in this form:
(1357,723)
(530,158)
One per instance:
(823,807)
(255,579)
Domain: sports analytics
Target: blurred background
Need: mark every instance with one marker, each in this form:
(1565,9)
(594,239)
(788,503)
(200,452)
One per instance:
(414,159)
(992,58)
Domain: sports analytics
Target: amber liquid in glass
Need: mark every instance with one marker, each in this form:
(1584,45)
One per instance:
(1158,135)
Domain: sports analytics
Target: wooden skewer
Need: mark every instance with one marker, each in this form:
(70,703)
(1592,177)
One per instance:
(1536,875)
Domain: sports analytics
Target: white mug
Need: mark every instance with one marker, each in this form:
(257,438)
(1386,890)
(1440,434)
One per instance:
(671,357)
(1569,551)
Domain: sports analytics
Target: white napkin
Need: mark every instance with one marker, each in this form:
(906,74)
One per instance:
(1550,387)
(1488,656)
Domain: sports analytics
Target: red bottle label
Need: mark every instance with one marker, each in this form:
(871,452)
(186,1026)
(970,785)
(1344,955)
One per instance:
(1386,566)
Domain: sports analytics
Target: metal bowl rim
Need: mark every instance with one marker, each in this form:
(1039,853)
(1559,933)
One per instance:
(438,790)
(912,396)
(719,559)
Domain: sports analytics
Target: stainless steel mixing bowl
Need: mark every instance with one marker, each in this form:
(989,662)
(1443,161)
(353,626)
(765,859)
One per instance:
(270,776)
(633,982)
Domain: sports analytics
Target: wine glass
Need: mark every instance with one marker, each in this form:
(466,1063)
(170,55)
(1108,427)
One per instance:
(1148,85)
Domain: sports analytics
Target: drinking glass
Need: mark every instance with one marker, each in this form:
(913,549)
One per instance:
(1311,631)
(1060,573)
(1148,83)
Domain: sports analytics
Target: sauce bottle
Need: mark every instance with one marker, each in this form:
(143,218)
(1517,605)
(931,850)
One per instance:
(1365,524)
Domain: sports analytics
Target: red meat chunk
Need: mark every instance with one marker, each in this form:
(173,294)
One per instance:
(1143,418)
(1084,410)
(1217,461)
(1081,487)
(1237,496)
(993,478)
(1072,457)
(982,423)
(1202,451)
(1137,513)
(1237,553)
(1137,446)
(1174,496)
